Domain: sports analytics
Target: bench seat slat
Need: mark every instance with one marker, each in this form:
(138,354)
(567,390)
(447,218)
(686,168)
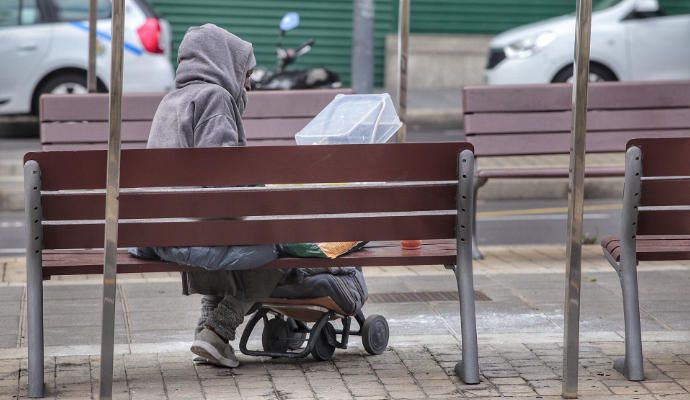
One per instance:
(555,172)
(651,248)
(264,164)
(241,232)
(253,202)
(375,254)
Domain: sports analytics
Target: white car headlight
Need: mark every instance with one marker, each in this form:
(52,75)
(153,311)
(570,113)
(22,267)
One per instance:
(526,47)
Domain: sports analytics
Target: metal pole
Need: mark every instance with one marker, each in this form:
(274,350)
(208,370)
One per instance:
(403,39)
(363,46)
(112,203)
(576,200)
(91,84)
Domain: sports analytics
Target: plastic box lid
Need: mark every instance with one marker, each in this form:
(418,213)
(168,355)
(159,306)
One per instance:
(352,119)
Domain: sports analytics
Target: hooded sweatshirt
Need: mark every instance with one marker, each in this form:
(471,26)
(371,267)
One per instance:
(206,108)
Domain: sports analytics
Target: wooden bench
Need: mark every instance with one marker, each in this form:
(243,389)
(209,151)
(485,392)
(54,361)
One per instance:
(420,191)
(80,121)
(655,226)
(535,120)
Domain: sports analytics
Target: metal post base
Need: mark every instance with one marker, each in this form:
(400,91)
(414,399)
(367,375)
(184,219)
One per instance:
(632,374)
(466,374)
(467,369)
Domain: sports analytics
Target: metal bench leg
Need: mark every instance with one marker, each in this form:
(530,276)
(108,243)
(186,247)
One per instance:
(35,328)
(631,366)
(468,367)
(34,276)
(478,182)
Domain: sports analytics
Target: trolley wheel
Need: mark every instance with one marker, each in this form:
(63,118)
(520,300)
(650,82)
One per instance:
(296,339)
(275,336)
(375,334)
(324,347)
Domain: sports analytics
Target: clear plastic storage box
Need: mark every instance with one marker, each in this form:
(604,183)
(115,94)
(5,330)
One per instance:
(352,119)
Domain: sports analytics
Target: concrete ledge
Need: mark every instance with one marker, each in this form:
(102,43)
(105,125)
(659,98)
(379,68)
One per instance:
(429,117)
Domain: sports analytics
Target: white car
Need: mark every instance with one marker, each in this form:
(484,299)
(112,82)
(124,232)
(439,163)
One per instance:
(44,49)
(631,40)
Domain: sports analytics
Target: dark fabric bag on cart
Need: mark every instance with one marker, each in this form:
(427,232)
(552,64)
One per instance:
(345,285)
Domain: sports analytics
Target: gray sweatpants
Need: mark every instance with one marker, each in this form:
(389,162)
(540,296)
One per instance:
(229,270)
(223,314)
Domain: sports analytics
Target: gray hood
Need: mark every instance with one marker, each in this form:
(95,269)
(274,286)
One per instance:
(205,109)
(209,54)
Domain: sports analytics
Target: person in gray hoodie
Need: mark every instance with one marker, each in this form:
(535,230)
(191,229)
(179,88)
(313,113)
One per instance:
(205,110)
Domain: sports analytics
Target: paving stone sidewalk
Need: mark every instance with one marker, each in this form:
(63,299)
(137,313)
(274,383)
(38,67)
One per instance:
(519,327)
(403,372)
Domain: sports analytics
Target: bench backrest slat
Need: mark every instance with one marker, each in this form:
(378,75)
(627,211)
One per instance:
(557,97)
(138,131)
(665,182)
(664,158)
(536,119)
(597,120)
(665,193)
(555,142)
(232,166)
(210,233)
(163,190)
(81,121)
(225,203)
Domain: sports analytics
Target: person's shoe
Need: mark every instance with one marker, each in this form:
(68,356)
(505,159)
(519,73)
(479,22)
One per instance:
(209,346)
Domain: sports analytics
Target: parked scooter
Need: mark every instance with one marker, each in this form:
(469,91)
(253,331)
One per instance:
(282,79)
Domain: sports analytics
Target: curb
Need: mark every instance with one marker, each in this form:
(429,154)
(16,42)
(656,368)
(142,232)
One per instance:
(435,117)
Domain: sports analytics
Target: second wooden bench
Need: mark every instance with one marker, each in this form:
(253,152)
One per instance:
(535,120)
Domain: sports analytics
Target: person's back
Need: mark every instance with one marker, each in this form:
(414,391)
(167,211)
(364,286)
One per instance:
(205,110)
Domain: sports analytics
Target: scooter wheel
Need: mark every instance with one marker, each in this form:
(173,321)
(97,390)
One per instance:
(296,338)
(375,334)
(324,347)
(275,336)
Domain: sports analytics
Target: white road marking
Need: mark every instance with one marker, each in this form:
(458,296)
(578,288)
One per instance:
(12,251)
